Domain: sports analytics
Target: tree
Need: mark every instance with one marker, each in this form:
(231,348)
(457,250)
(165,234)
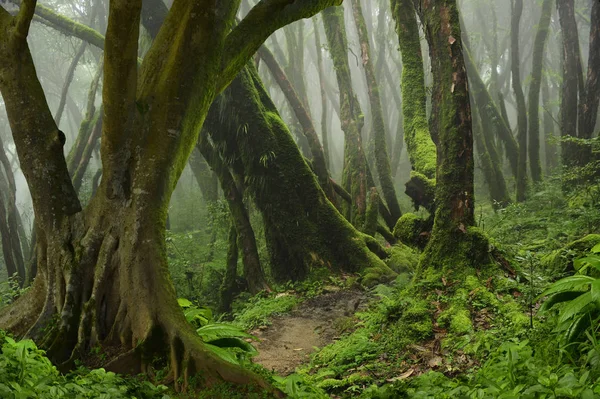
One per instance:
(421,149)
(534,91)
(517,11)
(454,244)
(102,269)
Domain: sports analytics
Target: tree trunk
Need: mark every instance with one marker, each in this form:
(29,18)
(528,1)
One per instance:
(419,144)
(324,109)
(534,91)
(228,286)
(517,11)
(379,134)
(303,116)
(303,230)
(239,215)
(354,178)
(453,244)
(590,98)
(570,82)
(490,113)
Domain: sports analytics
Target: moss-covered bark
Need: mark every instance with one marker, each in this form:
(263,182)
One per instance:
(534,91)
(590,99)
(515,61)
(379,131)
(453,242)
(303,229)
(355,173)
(304,118)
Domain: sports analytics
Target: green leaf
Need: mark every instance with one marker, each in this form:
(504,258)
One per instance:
(596,291)
(596,248)
(572,283)
(184,303)
(224,354)
(232,342)
(576,306)
(559,298)
(218,330)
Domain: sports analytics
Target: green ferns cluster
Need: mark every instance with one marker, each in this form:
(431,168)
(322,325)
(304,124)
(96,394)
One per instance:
(27,373)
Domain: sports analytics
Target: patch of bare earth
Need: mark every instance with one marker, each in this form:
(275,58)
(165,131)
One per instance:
(290,339)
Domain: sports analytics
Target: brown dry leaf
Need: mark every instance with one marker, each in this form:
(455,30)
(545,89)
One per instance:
(402,376)
(451,40)
(435,362)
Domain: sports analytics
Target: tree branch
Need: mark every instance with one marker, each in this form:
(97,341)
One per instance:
(264,19)
(24,18)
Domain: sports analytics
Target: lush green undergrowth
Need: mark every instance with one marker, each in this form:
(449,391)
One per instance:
(27,373)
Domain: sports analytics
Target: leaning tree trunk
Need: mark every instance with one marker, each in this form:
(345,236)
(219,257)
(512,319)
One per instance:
(379,134)
(534,91)
(421,149)
(103,276)
(453,244)
(517,11)
(302,228)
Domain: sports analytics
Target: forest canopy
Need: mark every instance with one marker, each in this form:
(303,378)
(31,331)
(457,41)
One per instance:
(299,198)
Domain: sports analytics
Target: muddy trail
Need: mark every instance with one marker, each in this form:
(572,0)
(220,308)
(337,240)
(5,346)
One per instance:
(316,322)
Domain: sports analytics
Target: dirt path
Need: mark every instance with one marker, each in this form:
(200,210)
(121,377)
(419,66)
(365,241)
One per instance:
(290,339)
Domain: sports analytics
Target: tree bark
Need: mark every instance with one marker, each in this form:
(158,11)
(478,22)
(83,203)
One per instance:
(571,85)
(534,91)
(303,230)
(452,237)
(354,178)
(420,146)
(517,11)
(379,132)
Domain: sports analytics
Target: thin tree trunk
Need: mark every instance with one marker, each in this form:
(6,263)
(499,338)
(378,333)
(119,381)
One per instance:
(534,91)
(355,177)
(68,80)
(517,11)
(227,289)
(324,108)
(590,98)
(571,81)
(379,133)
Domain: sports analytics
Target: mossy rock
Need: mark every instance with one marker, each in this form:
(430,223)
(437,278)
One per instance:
(561,260)
(377,275)
(403,259)
(409,230)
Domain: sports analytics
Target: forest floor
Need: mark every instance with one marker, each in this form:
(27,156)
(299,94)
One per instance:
(290,339)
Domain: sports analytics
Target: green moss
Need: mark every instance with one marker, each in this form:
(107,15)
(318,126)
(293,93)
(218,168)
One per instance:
(403,259)
(408,230)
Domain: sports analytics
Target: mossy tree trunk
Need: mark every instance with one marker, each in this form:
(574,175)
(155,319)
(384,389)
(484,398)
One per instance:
(572,81)
(304,118)
(355,175)
(246,240)
(534,91)
(420,146)
(102,271)
(379,131)
(515,61)
(451,237)
(302,228)
(590,97)
(324,108)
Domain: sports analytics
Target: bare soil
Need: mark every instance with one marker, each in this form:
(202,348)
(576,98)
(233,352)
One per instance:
(316,322)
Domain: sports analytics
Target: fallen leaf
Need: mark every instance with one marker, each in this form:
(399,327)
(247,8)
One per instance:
(451,40)
(402,376)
